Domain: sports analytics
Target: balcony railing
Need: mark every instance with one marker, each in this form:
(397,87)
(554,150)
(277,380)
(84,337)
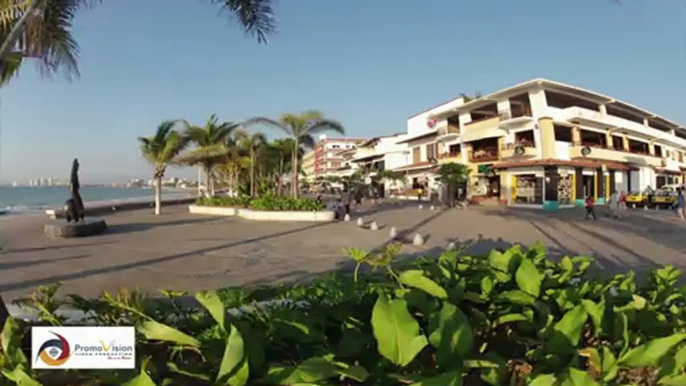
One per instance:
(484,154)
(450,129)
(512,146)
(509,114)
(450,154)
(610,147)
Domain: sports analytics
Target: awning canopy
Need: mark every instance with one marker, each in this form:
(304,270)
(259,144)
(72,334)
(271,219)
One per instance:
(587,163)
(420,136)
(667,171)
(477,135)
(368,158)
(416,167)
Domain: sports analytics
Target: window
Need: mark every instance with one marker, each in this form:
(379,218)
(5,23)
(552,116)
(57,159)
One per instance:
(454,150)
(335,164)
(528,189)
(416,155)
(617,142)
(431,151)
(592,138)
(525,138)
(563,133)
(658,151)
(638,147)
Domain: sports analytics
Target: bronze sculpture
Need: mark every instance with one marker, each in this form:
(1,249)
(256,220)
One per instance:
(74,206)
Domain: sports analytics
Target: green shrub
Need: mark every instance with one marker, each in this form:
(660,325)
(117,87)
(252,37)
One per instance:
(238,202)
(285,203)
(507,318)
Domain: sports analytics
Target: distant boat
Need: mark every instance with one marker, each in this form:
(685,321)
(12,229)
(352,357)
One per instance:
(4,211)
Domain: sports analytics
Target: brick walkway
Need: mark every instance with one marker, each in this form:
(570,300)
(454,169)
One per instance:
(186,252)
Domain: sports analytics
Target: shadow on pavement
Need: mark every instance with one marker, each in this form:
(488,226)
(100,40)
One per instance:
(144,226)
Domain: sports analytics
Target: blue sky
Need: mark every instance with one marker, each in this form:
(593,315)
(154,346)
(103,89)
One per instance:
(369,64)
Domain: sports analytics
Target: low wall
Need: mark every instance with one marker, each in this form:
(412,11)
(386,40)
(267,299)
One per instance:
(103,209)
(263,215)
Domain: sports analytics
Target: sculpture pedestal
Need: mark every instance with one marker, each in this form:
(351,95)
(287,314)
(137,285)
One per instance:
(88,227)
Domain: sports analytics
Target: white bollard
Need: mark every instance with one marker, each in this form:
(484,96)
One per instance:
(360,222)
(346,218)
(418,239)
(451,246)
(633,206)
(393,234)
(432,207)
(421,206)
(645,207)
(374,226)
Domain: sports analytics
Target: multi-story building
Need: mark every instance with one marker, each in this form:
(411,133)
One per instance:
(327,157)
(308,166)
(546,144)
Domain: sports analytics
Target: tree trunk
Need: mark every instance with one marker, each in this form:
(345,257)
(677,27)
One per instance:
(252,172)
(4,313)
(294,180)
(207,181)
(12,38)
(279,187)
(158,196)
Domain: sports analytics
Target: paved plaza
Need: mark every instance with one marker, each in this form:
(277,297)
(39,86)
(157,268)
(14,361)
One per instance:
(190,252)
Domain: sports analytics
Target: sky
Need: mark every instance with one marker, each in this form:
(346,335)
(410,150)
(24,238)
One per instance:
(369,64)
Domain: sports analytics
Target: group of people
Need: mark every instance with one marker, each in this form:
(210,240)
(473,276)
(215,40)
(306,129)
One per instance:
(618,202)
(344,203)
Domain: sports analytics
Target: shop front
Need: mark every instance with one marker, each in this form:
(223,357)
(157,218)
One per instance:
(556,184)
(484,183)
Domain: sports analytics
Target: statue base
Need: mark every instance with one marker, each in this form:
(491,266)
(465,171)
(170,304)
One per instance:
(88,227)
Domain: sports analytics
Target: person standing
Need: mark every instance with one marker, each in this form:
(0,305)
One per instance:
(420,192)
(347,200)
(680,203)
(622,201)
(589,208)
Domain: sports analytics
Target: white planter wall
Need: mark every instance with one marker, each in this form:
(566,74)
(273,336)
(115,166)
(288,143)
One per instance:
(261,215)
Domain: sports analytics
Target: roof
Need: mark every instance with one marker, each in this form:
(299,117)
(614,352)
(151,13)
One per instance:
(418,165)
(586,163)
(368,158)
(420,136)
(374,140)
(433,107)
(563,89)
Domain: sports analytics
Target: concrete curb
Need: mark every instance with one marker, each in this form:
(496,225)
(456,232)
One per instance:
(259,215)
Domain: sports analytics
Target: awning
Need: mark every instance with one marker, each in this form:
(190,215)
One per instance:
(591,164)
(417,166)
(477,135)
(368,158)
(667,172)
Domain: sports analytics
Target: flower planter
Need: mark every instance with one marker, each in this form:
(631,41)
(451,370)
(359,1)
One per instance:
(264,215)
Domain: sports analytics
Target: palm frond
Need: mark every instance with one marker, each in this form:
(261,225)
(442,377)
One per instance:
(202,155)
(326,125)
(9,67)
(257,17)
(268,122)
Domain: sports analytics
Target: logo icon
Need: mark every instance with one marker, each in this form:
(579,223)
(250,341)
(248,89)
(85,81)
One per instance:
(585,151)
(519,150)
(54,352)
(431,123)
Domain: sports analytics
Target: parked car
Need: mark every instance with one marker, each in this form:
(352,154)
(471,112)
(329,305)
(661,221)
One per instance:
(636,198)
(664,198)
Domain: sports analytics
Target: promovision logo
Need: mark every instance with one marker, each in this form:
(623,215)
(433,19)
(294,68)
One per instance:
(54,352)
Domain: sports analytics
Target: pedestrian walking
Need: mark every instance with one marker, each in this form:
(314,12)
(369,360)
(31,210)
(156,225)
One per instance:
(589,208)
(622,201)
(346,198)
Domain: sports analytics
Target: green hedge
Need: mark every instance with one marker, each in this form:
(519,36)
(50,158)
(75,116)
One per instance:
(508,318)
(268,203)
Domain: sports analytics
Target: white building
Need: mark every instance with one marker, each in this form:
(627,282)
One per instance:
(546,144)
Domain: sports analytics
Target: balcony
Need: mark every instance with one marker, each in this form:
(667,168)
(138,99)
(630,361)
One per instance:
(601,152)
(448,133)
(514,119)
(448,157)
(482,123)
(486,154)
(522,149)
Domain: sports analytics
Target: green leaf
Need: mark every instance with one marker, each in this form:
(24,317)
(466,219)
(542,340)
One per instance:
(10,340)
(453,378)
(357,373)
(517,297)
(649,354)
(673,380)
(396,332)
(451,335)
(175,368)
(567,332)
(487,285)
(544,380)
(674,364)
(610,367)
(510,318)
(566,264)
(20,377)
(142,379)
(581,378)
(595,311)
(501,265)
(312,370)
(416,279)
(211,301)
(528,278)
(233,370)
(153,330)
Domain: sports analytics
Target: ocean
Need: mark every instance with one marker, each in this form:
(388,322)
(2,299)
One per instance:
(20,200)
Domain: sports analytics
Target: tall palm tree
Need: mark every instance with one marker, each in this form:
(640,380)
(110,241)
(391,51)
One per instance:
(160,150)
(41,29)
(284,149)
(210,149)
(301,128)
(251,142)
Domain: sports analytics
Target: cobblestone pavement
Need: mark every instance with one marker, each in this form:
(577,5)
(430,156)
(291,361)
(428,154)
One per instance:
(189,252)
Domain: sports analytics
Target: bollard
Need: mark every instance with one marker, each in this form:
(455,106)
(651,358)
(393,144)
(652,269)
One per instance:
(432,207)
(418,239)
(346,218)
(633,206)
(393,234)
(421,206)
(374,226)
(360,222)
(451,246)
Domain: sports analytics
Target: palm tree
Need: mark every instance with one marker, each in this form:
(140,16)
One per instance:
(41,29)
(210,147)
(252,143)
(160,150)
(301,129)
(284,149)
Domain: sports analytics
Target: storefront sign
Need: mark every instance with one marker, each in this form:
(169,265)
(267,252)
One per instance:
(586,151)
(519,150)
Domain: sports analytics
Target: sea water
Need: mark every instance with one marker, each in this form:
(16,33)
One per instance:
(25,200)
